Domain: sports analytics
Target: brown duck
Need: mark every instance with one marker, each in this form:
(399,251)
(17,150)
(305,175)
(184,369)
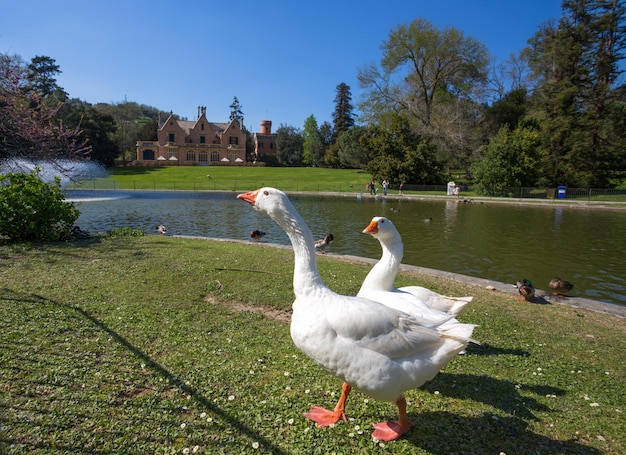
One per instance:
(560,287)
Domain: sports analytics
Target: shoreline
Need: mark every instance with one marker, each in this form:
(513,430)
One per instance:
(573,203)
(541,296)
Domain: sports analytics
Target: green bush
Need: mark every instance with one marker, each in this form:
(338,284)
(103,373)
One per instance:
(31,209)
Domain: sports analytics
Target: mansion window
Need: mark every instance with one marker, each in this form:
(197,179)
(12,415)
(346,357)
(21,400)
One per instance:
(232,156)
(203,139)
(191,155)
(171,151)
(233,140)
(171,138)
(215,156)
(271,145)
(148,154)
(203,157)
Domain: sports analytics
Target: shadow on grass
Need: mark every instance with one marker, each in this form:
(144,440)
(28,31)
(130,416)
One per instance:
(135,170)
(503,395)
(9,295)
(434,432)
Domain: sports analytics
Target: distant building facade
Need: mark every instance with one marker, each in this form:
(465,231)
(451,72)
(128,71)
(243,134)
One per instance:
(265,141)
(192,143)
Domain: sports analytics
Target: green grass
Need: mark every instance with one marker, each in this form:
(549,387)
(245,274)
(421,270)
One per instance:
(232,178)
(239,178)
(158,345)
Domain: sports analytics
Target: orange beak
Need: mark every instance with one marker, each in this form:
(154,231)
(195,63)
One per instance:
(372,228)
(249,197)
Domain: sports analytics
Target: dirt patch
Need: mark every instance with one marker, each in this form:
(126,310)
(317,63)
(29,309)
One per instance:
(270,313)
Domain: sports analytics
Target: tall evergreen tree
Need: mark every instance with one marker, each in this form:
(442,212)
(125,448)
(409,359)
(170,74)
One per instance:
(576,62)
(236,113)
(41,73)
(343,118)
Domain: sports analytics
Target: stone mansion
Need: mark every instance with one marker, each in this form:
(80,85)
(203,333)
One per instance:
(200,142)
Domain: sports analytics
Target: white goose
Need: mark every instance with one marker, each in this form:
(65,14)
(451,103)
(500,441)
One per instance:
(379,282)
(370,346)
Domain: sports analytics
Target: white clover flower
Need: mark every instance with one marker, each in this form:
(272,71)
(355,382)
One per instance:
(186,450)
(195,449)
(209,419)
(183,425)
(231,397)
(594,405)
(307,391)
(255,445)
(436,392)
(203,415)
(287,373)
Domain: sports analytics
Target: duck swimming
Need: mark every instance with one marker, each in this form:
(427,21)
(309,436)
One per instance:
(370,346)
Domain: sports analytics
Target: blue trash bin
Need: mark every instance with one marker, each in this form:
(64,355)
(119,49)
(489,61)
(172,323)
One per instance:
(560,194)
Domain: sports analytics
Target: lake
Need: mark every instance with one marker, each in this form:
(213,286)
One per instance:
(501,242)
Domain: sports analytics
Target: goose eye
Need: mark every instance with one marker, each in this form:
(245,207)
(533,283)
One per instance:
(381,221)
(265,193)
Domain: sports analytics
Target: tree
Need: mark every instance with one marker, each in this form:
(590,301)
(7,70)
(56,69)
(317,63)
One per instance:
(97,129)
(400,155)
(421,69)
(236,113)
(312,147)
(351,152)
(342,116)
(576,64)
(289,145)
(29,125)
(510,160)
(41,74)
(433,77)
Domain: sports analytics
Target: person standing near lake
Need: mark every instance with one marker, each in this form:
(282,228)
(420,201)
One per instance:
(401,188)
(385,186)
(373,187)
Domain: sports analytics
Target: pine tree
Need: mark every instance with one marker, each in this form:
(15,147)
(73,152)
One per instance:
(342,116)
(236,113)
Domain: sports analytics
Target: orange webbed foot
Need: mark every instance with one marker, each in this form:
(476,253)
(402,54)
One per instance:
(389,431)
(324,417)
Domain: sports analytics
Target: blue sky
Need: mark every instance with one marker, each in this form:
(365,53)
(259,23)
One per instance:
(281,59)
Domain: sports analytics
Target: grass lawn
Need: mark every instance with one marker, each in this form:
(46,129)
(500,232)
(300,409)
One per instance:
(235,178)
(156,345)
(238,178)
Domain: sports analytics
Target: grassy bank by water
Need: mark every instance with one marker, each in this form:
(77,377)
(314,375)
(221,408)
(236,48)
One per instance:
(168,345)
(232,178)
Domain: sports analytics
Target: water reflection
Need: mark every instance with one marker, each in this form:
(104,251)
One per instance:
(499,242)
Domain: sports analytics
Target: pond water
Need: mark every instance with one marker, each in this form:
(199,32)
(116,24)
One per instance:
(501,242)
